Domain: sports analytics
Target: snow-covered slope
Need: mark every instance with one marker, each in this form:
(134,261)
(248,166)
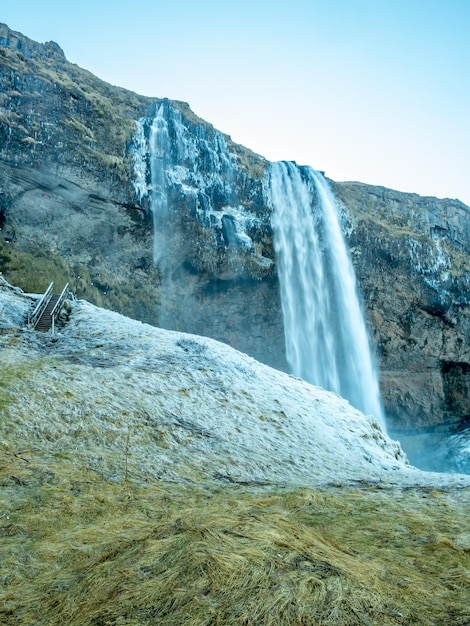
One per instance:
(124,398)
(14,306)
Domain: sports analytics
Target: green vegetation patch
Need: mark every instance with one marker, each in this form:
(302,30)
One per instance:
(34,269)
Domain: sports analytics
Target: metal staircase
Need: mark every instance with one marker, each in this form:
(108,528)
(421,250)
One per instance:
(47,311)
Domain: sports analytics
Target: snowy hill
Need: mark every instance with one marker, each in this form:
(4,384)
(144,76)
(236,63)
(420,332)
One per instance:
(120,396)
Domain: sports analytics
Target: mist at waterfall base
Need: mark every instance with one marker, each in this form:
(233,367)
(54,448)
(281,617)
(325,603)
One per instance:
(441,451)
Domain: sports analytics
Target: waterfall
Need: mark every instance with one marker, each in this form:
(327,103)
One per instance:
(326,338)
(202,213)
(159,149)
(177,162)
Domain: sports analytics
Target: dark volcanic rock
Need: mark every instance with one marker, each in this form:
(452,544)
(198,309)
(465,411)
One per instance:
(69,210)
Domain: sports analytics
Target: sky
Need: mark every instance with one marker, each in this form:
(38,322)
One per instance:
(371,90)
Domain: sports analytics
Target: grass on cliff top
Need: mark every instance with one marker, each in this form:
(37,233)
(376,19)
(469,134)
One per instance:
(99,124)
(78,549)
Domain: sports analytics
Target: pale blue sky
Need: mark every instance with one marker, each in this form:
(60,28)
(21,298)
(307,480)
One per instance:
(369,90)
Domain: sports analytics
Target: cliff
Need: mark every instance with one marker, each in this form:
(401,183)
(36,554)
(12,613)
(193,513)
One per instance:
(411,255)
(76,188)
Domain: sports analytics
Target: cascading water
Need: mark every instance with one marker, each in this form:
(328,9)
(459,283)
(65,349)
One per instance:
(179,163)
(159,149)
(325,332)
(197,196)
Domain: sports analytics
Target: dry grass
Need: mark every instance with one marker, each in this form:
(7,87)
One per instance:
(78,550)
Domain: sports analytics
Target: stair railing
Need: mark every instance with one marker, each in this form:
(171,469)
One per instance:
(58,306)
(33,319)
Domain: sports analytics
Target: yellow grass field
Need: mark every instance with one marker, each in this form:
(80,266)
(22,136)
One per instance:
(77,549)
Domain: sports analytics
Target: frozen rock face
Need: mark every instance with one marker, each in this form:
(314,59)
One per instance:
(77,191)
(212,232)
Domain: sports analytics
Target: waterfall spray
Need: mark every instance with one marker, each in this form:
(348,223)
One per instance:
(326,338)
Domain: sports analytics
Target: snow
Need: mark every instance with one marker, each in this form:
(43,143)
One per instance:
(184,407)
(14,305)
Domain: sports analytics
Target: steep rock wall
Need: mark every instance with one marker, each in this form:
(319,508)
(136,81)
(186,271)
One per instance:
(67,207)
(411,255)
(213,236)
(76,205)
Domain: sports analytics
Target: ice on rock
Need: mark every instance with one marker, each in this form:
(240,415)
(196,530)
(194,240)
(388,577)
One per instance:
(169,154)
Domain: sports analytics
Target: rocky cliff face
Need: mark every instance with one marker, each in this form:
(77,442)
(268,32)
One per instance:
(412,258)
(66,204)
(72,206)
(213,236)
(80,197)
